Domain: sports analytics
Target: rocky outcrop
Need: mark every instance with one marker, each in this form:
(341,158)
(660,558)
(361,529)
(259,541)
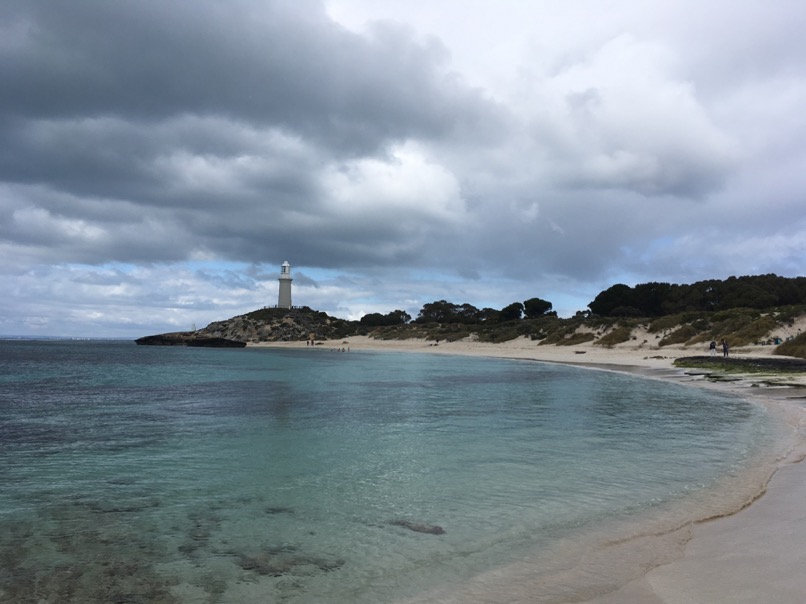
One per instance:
(755,364)
(188,338)
(264,325)
(280,325)
(245,329)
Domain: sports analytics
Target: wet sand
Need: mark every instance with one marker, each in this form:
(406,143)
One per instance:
(756,554)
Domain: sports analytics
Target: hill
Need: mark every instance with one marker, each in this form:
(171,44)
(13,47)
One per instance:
(263,325)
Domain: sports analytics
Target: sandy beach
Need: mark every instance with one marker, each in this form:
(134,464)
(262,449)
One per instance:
(753,555)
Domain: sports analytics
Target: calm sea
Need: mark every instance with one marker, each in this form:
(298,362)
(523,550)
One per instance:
(150,474)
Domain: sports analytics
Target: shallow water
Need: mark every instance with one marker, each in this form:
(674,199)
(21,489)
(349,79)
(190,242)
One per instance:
(148,474)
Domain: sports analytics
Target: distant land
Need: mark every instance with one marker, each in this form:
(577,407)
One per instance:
(42,338)
(743,310)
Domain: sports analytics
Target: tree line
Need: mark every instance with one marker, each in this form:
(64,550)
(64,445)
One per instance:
(442,311)
(660,299)
(643,300)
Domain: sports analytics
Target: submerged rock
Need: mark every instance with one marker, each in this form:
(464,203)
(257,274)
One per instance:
(419,527)
(279,510)
(276,562)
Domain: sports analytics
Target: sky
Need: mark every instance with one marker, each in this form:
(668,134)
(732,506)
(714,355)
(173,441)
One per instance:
(160,160)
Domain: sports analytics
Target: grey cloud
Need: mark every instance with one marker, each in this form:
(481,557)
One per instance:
(263,62)
(146,131)
(301,279)
(651,146)
(227,279)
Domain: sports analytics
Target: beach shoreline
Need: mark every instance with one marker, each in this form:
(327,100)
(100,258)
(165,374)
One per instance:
(751,554)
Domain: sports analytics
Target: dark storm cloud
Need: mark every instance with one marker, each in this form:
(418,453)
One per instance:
(267,63)
(156,131)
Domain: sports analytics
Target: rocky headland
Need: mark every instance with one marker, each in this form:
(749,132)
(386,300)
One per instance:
(264,325)
(189,338)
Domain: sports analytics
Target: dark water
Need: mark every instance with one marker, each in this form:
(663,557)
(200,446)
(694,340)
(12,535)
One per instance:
(147,474)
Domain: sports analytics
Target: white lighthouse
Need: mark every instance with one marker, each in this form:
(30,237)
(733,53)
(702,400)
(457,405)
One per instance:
(284,298)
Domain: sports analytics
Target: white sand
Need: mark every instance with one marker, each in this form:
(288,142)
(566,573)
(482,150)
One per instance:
(641,354)
(756,555)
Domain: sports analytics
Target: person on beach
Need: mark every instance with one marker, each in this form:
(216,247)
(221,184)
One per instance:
(712,348)
(724,348)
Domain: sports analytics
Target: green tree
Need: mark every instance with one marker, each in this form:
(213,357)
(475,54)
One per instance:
(376,319)
(398,317)
(467,313)
(440,311)
(613,297)
(513,312)
(648,298)
(373,319)
(534,308)
(489,315)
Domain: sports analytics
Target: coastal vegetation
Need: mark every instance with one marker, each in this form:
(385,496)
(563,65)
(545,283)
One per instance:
(661,299)
(740,326)
(796,347)
(741,310)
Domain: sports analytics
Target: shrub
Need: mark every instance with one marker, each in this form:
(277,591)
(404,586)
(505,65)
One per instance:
(664,323)
(679,336)
(796,347)
(502,334)
(576,338)
(617,336)
(701,324)
(754,331)
(558,335)
(788,314)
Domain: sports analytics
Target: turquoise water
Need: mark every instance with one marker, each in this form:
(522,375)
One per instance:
(149,474)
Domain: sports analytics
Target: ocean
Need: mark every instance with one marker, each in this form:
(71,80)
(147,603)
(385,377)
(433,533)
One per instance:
(189,475)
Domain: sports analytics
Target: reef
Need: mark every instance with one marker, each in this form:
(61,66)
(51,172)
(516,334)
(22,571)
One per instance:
(749,364)
(132,548)
(285,560)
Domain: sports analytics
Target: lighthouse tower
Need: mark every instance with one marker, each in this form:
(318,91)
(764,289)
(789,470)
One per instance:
(284,298)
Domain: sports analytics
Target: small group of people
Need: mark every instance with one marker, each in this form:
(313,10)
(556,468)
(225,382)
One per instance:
(723,344)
